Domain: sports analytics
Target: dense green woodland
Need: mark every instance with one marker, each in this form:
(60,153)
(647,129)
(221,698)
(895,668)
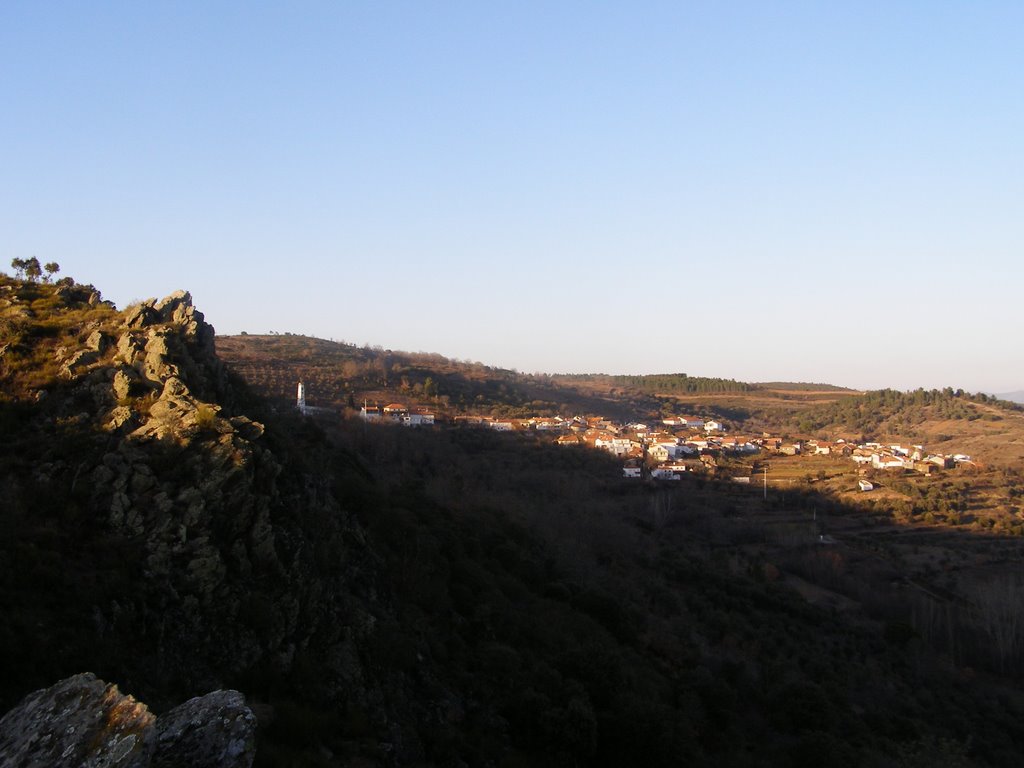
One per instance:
(387,596)
(673,383)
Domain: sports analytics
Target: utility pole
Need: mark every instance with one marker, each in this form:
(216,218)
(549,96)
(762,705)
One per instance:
(766,482)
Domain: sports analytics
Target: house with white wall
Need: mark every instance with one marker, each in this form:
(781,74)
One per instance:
(371,413)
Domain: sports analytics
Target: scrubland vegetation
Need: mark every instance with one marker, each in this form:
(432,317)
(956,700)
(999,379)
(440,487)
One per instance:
(608,623)
(904,413)
(903,569)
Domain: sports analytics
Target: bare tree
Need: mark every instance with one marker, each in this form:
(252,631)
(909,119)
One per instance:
(999,613)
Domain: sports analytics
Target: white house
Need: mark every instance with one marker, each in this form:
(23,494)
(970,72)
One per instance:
(370,413)
(677,467)
(739,446)
(658,452)
(418,420)
(862,456)
(887,461)
(661,473)
(395,412)
(714,426)
(550,425)
(622,446)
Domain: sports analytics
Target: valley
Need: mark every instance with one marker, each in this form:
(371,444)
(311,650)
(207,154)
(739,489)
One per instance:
(455,595)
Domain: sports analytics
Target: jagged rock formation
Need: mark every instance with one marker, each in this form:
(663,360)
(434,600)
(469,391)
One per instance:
(206,526)
(83,722)
(226,560)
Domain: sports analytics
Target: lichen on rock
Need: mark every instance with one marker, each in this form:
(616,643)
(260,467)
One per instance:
(83,722)
(80,721)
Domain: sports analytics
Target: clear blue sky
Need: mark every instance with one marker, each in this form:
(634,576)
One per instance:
(760,190)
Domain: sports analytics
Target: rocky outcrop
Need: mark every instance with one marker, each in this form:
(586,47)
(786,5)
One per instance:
(77,363)
(202,520)
(83,722)
(226,578)
(212,552)
(212,731)
(80,721)
(166,349)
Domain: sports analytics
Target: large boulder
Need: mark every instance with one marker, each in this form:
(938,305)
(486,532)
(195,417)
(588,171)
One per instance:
(79,722)
(98,342)
(177,309)
(217,730)
(141,315)
(157,366)
(83,722)
(75,365)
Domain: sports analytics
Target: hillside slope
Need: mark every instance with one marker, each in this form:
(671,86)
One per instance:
(945,420)
(152,533)
(387,596)
(341,376)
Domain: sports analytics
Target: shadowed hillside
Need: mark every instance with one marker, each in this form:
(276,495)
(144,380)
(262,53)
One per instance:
(388,596)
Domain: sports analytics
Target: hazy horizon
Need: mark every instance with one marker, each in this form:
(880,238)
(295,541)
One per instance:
(784,192)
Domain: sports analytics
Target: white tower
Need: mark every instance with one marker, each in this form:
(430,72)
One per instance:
(300,400)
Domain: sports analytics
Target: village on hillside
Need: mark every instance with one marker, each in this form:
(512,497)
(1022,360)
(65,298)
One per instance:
(667,449)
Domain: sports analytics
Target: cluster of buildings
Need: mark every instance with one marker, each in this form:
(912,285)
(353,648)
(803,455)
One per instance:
(396,413)
(879,456)
(674,445)
(913,457)
(670,448)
